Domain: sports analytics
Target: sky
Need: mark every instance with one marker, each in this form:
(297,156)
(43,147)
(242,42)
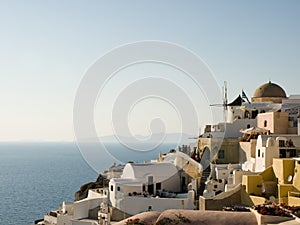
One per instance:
(46,48)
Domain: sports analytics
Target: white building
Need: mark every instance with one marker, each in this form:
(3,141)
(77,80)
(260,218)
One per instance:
(150,186)
(115,171)
(79,212)
(273,146)
(157,186)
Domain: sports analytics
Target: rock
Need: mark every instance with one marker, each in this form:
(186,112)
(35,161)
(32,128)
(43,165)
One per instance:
(84,189)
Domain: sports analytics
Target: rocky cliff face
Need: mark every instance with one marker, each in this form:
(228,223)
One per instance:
(84,189)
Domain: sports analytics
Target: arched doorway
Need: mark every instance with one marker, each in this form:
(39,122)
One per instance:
(205,158)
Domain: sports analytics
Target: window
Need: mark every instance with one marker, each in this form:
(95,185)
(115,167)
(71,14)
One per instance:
(265,123)
(158,186)
(262,154)
(221,154)
(254,114)
(282,153)
(215,186)
(237,117)
(248,126)
(281,143)
(111,188)
(293,153)
(118,188)
(258,153)
(247,115)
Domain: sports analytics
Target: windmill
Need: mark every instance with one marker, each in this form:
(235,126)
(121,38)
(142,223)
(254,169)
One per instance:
(225,102)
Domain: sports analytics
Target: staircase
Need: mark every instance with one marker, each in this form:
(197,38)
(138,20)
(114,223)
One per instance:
(205,175)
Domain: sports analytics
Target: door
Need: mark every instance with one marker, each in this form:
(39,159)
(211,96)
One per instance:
(150,185)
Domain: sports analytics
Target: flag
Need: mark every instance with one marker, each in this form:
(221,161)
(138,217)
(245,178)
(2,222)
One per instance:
(245,96)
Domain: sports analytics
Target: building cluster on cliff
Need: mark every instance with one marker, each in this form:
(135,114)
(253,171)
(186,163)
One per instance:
(249,159)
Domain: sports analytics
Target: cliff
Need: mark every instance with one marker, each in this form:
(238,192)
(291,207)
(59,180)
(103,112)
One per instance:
(84,189)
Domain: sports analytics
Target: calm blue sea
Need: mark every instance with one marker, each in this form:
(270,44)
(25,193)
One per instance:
(37,177)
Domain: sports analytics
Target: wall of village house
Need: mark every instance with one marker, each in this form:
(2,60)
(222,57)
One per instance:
(135,205)
(276,122)
(64,219)
(238,176)
(127,189)
(81,208)
(296,178)
(271,153)
(252,184)
(50,219)
(205,142)
(232,130)
(260,159)
(283,168)
(234,113)
(247,150)
(112,195)
(230,146)
(281,123)
(228,130)
(294,199)
(67,207)
(171,184)
(298,126)
(292,130)
(265,154)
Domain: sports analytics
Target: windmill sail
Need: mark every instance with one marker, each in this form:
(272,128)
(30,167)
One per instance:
(225,102)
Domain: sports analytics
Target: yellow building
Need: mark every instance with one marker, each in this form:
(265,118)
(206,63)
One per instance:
(218,150)
(281,180)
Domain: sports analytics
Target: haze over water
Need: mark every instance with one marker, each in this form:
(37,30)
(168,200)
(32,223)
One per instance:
(36,177)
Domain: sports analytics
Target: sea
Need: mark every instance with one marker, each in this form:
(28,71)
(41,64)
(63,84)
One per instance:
(37,177)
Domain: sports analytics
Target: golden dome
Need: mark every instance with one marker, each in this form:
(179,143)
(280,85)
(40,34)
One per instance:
(269,90)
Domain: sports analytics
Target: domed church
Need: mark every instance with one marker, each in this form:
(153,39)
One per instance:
(269,92)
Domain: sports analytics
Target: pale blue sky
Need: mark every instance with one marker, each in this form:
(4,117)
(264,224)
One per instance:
(47,46)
